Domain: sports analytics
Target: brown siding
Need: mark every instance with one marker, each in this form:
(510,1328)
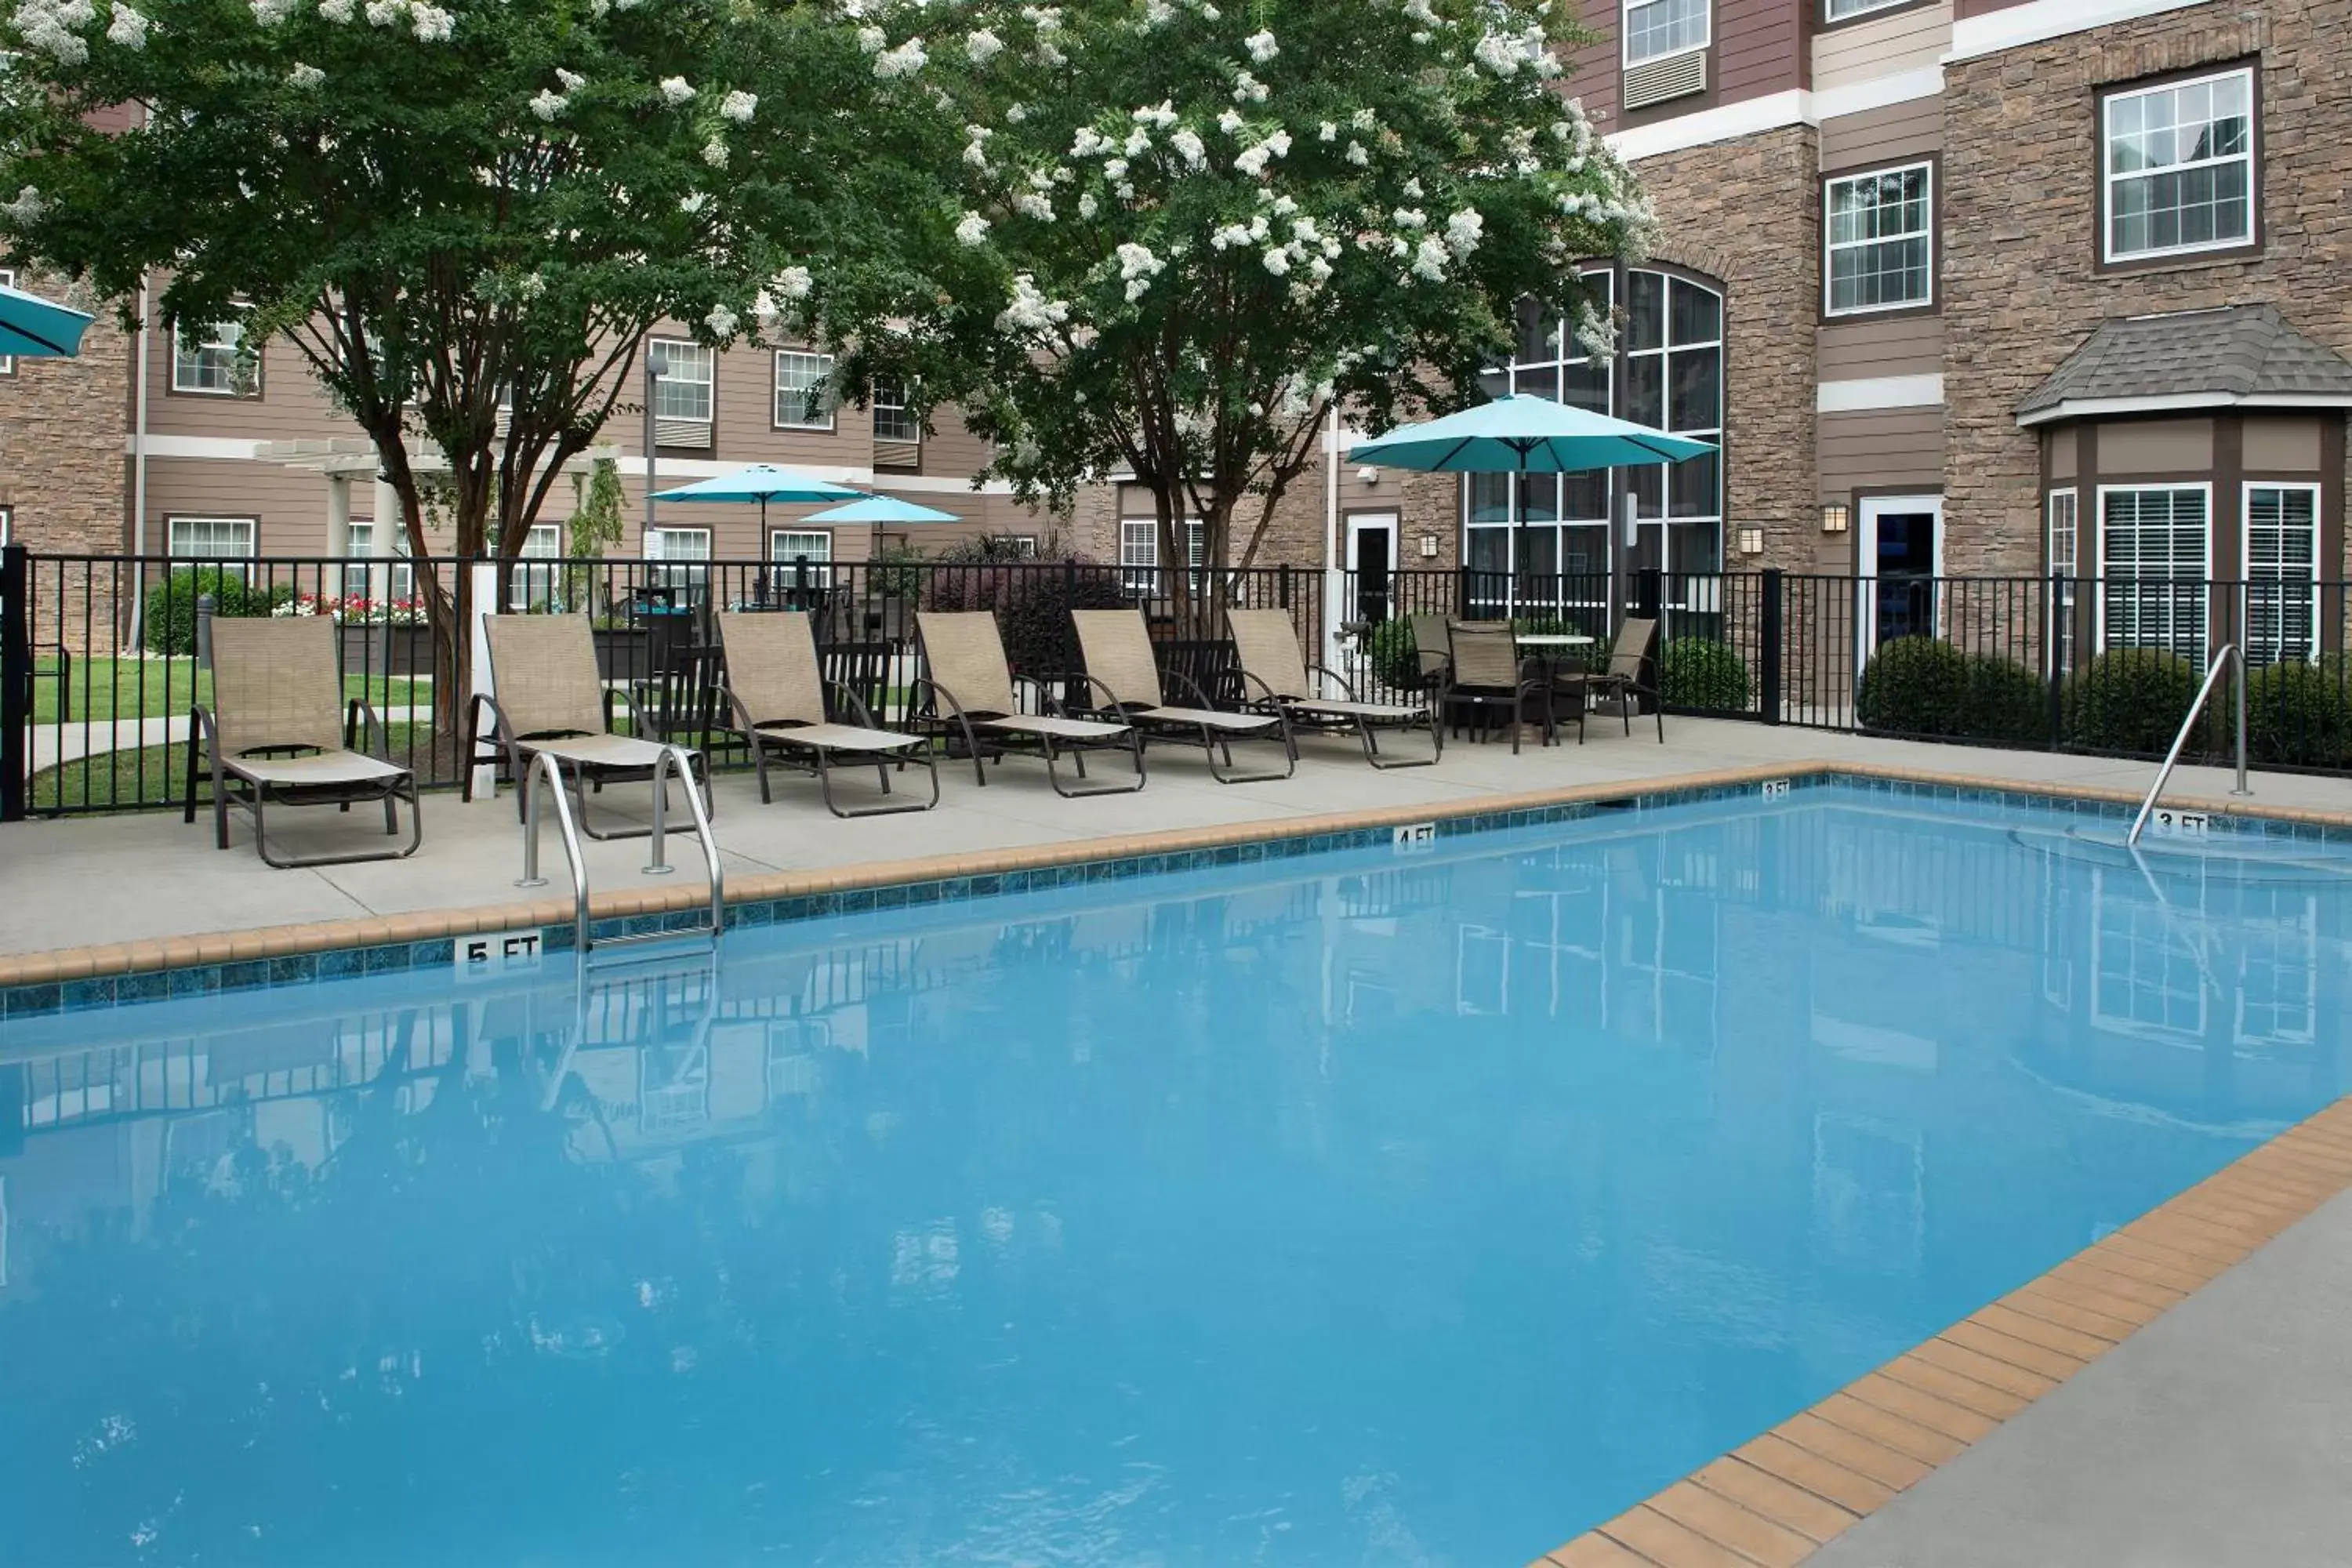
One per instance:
(291,508)
(1879,46)
(1901,133)
(1860,350)
(1984,7)
(2156,447)
(1760,47)
(1875,451)
(2282,446)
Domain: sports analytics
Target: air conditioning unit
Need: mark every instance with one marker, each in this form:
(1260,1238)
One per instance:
(690,432)
(1660,81)
(906,455)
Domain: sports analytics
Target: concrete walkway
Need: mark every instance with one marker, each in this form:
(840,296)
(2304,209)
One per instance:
(77,739)
(2219,1435)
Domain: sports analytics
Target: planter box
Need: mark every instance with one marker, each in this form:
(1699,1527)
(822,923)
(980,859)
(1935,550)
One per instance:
(624,653)
(379,649)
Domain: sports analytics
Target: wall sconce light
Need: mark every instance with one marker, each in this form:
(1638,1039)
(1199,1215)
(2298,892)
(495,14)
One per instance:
(1836,517)
(1428,546)
(1368,477)
(1751,541)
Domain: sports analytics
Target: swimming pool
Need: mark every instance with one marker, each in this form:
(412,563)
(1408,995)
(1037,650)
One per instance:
(1359,1208)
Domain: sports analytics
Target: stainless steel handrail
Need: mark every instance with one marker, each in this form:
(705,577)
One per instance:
(2228,657)
(675,759)
(543,765)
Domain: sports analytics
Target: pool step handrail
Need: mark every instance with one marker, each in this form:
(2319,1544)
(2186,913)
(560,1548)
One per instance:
(2229,658)
(672,759)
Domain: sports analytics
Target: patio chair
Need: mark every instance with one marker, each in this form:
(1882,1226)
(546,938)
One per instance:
(1488,677)
(1127,683)
(1628,657)
(1433,652)
(776,695)
(966,694)
(1275,679)
(279,731)
(550,698)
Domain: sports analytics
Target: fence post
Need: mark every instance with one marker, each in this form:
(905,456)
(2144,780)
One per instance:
(1768,656)
(1649,593)
(1283,586)
(16,676)
(800,580)
(203,631)
(2054,641)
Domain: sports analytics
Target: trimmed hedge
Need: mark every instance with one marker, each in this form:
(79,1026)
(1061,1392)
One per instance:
(1395,656)
(170,616)
(1698,672)
(2130,700)
(1033,607)
(2008,704)
(2300,715)
(1925,686)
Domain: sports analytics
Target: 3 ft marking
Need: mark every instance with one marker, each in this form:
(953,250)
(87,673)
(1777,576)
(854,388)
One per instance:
(497,953)
(1776,789)
(1416,838)
(2184,824)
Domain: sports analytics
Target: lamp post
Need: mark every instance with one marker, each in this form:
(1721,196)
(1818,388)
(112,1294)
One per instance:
(656,362)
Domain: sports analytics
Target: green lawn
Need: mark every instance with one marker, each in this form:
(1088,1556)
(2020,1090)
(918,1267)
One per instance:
(104,688)
(158,775)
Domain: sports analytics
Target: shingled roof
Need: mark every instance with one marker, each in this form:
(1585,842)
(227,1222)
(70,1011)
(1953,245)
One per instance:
(2245,355)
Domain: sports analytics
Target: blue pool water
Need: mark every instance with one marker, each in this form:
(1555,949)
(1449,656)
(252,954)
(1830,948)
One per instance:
(1353,1210)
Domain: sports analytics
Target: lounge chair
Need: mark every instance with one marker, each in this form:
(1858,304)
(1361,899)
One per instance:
(551,700)
(1275,679)
(775,696)
(966,694)
(278,727)
(1125,683)
(1629,657)
(1433,653)
(1488,677)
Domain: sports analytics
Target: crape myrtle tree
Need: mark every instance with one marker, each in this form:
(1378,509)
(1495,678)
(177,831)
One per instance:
(465,218)
(1198,227)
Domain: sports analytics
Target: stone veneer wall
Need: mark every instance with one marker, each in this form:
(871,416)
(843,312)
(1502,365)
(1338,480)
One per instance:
(65,473)
(2022,288)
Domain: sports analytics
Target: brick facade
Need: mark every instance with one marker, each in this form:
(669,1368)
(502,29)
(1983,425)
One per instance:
(62,463)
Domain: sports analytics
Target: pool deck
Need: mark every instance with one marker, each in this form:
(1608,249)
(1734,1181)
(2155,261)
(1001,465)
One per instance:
(2206,1426)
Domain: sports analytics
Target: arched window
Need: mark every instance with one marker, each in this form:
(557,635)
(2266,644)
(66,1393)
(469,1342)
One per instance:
(1544,539)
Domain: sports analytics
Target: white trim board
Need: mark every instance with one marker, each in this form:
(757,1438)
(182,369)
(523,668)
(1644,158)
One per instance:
(1867,394)
(1777,111)
(2039,20)
(2180,403)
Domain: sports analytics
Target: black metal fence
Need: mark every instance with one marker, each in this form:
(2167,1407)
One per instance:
(102,657)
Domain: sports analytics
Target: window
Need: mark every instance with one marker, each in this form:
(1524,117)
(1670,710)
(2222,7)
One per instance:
(1846,10)
(1022,546)
(209,538)
(2281,557)
(2154,559)
(682,393)
(2178,167)
(2146,978)
(1673,352)
(537,587)
(2066,552)
(1881,245)
(399,582)
(804,390)
(205,361)
(1139,552)
(676,548)
(786,548)
(893,420)
(1658,28)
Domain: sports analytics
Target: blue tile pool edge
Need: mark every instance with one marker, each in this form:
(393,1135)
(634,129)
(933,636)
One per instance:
(44,998)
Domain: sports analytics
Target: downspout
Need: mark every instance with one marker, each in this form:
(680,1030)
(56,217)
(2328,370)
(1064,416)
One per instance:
(1332,587)
(139,458)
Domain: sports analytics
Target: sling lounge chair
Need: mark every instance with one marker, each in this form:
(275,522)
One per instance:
(549,698)
(279,731)
(1275,679)
(1628,657)
(1125,683)
(775,696)
(1488,678)
(966,694)
(1433,653)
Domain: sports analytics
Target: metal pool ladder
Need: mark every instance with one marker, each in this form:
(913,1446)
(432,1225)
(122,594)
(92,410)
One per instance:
(673,759)
(2228,659)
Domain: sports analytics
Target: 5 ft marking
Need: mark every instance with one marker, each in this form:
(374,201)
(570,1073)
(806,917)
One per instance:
(497,952)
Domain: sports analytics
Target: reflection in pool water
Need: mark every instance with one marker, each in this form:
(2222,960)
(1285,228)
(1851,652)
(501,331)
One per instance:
(1358,1210)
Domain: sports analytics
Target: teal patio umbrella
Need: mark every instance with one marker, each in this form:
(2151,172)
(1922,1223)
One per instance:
(1525,434)
(34,328)
(762,482)
(879,510)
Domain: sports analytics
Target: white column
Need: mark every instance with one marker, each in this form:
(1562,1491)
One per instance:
(339,527)
(485,604)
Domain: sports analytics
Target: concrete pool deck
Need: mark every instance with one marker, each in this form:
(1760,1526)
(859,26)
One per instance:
(2214,1436)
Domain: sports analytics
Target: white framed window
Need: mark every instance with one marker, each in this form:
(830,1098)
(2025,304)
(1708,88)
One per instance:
(204,359)
(2281,570)
(1138,552)
(2278,970)
(682,393)
(804,390)
(398,582)
(1655,28)
(2155,544)
(533,586)
(683,554)
(1880,231)
(2176,167)
(209,538)
(787,547)
(2064,546)
(893,420)
(2146,979)
(1846,10)
(1024,546)
(8,361)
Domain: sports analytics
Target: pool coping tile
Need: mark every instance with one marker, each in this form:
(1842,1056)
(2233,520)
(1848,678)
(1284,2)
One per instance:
(1932,1402)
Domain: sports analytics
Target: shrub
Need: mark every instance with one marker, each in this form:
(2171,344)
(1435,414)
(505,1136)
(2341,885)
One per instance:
(1394,654)
(1032,602)
(2130,700)
(2300,715)
(1913,685)
(170,617)
(2006,703)
(1697,673)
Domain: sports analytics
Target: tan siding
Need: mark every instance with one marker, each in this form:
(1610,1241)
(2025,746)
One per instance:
(1908,40)
(2156,447)
(292,508)
(950,448)
(1898,133)
(1869,451)
(292,406)
(1856,349)
(2282,446)
(2064,453)
(1759,49)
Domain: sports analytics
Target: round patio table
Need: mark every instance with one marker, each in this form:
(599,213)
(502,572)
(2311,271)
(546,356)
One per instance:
(1548,649)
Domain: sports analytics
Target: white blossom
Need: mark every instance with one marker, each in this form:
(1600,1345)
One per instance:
(1278,261)
(547,103)
(1326,131)
(572,81)
(27,208)
(337,10)
(1159,116)
(1115,170)
(307,77)
(738,106)
(1190,147)
(972,229)
(694,201)
(1231,123)
(378,13)
(1138,267)
(1030,204)
(1087,206)
(1357,155)
(872,40)
(1261,45)
(721,321)
(128,29)
(714,152)
(982,46)
(1030,311)
(1464,230)
(529,286)
(905,60)
(1365,120)
(430,24)
(269,12)
(794,282)
(1014,113)
(1247,88)
(674,90)
(1429,259)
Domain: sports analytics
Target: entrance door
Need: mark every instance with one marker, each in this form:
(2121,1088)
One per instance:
(1372,562)
(1899,556)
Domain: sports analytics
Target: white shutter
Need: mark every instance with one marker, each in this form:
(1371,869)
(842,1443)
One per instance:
(2281,570)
